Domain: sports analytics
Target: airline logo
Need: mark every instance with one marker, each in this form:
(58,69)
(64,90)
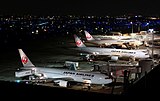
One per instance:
(88,36)
(24,59)
(78,43)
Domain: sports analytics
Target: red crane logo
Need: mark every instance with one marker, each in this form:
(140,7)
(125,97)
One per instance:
(24,59)
(78,43)
(88,36)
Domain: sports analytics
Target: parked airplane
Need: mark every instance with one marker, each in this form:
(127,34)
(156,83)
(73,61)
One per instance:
(60,75)
(111,52)
(104,37)
(118,41)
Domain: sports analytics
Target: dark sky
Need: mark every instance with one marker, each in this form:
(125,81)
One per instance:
(81,7)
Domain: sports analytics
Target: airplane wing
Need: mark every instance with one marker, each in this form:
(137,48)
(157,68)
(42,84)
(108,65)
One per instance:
(60,81)
(61,78)
(44,80)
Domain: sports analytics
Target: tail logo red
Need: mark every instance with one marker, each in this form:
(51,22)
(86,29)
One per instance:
(88,36)
(24,59)
(78,43)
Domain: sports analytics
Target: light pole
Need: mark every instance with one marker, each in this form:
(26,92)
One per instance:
(139,27)
(132,26)
(147,26)
(152,32)
(152,43)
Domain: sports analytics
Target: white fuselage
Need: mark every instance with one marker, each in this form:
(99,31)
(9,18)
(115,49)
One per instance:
(118,41)
(115,52)
(111,37)
(78,76)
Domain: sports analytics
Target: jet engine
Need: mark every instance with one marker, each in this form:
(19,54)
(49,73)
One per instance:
(115,58)
(61,83)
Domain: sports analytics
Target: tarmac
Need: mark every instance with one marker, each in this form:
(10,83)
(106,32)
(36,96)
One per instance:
(50,53)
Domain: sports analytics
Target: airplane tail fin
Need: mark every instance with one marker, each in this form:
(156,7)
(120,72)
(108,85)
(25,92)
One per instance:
(88,36)
(24,59)
(79,43)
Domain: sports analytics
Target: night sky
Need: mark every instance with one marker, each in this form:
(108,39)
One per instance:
(80,7)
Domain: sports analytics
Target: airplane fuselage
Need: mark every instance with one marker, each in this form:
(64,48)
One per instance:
(115,52)
(69,75)
(113,41)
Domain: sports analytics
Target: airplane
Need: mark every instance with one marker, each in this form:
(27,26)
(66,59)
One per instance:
(110,52)
(60,75)
(108,42)
(104,37)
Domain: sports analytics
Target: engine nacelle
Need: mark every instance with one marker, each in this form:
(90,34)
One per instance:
(40,76)
(87,81)
(95,53)
(115,58)
(86,84)
(61,83)
(132,58)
